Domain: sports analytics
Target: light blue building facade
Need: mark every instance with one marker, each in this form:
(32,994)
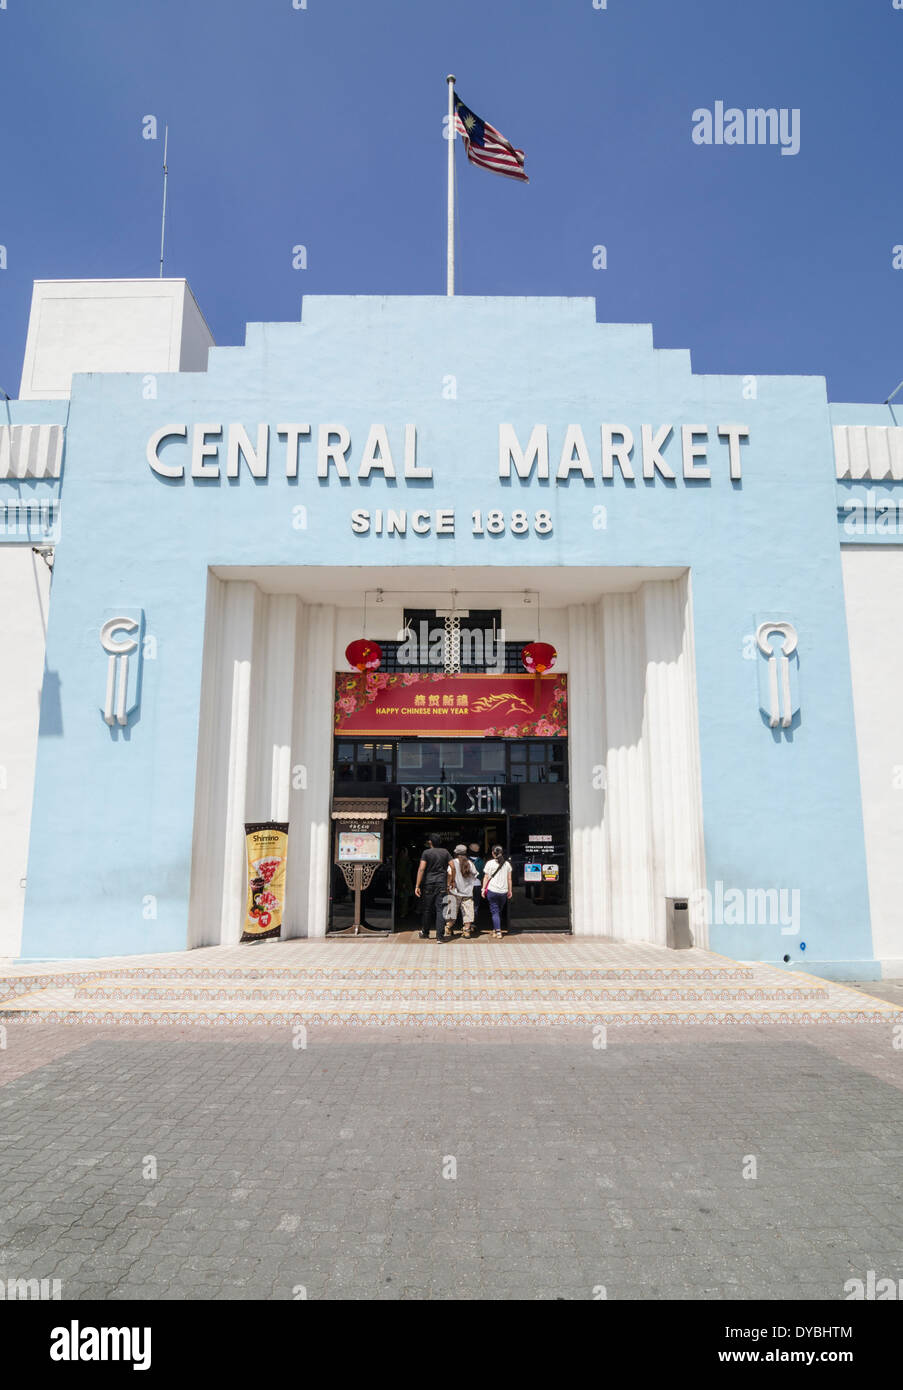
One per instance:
(685,538)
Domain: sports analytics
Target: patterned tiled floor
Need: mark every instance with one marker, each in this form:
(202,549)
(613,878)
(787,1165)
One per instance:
(385,981)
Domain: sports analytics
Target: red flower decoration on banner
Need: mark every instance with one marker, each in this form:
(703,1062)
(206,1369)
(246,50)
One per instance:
(363,654)
(539,657)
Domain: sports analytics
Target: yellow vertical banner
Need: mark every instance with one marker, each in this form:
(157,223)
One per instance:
(267,847)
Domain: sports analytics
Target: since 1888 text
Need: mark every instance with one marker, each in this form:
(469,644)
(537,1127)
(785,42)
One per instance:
(442,522)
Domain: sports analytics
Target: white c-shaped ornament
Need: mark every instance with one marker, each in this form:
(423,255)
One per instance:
(119,652)
(779,693)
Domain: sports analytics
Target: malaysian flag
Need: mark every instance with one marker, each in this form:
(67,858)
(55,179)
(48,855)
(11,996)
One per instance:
(486,146)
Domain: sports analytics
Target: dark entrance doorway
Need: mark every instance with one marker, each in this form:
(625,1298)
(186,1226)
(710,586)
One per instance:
(487,791)
(537,845)
(411,834)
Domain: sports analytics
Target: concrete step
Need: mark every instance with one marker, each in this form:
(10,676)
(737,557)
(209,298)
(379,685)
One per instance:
(415,983)
(60,1005)
(475,969)
(474,989)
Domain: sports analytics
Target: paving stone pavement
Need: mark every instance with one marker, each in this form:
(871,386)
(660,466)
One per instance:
(891,990)
(328,1168)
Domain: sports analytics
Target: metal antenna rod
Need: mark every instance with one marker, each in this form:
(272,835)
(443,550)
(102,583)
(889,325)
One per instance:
(165,179)
(894,393)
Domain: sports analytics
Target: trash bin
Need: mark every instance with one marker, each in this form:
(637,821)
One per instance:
(678,916)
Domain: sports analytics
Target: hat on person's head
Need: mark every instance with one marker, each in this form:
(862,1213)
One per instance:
(460,849)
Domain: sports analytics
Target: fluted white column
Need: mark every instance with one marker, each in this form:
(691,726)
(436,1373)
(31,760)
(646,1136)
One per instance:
(294,921)
(695,817)
(671,727)
(269,778)
(206,847)
(218,864)
(310,834)
(590,888)
(627,818)
(242,612)
(661,613)
(601,847)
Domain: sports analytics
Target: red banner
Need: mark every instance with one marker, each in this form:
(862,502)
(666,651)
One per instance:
(451,706)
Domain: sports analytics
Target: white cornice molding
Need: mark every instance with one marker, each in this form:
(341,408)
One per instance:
(31,451)
(869,451)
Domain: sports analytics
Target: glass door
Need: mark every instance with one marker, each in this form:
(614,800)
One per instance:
(540,855)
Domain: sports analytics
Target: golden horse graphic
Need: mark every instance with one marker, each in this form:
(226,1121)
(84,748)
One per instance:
(501,704)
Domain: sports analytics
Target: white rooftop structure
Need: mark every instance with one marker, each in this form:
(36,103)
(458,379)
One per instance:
(110,326)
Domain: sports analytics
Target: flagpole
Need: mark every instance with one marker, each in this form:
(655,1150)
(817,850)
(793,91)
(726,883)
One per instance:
(450,288)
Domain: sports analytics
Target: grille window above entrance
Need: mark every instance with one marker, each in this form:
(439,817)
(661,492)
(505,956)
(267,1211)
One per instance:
(538,761)
(429,644)
(510,660)
(358,761)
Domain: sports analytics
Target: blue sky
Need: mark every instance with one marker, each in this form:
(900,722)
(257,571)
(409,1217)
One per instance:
(323,127)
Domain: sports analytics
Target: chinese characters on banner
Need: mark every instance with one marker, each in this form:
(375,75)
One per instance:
(518,706)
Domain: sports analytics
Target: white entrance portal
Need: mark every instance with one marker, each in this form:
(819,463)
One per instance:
(274,637)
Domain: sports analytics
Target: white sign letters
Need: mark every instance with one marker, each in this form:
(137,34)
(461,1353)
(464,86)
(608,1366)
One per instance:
(208,452)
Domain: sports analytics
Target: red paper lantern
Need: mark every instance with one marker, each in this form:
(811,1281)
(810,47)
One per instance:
(363,654)
(539,657)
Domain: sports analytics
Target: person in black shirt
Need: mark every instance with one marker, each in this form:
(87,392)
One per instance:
(431,888)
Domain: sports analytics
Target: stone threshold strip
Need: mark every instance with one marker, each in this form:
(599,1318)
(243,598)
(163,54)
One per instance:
(22,983)
(472,989)
(449,1016)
